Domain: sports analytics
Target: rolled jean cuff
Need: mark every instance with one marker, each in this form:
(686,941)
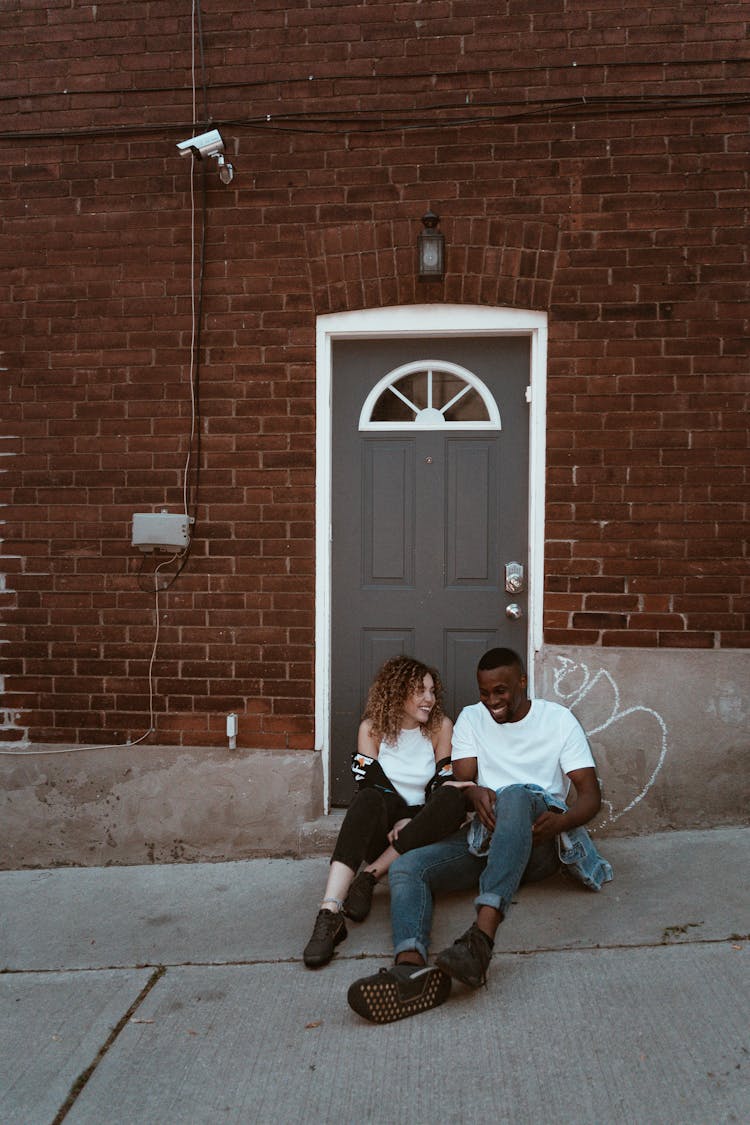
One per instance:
(410,945)
(494,901)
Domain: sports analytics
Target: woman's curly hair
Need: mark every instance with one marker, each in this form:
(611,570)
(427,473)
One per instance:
(399,678)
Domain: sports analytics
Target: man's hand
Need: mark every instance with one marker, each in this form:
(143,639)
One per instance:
(584,807)
(545,827)
(483,802)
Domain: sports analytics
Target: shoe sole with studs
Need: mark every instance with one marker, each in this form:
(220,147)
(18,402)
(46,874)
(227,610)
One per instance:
(381,1000)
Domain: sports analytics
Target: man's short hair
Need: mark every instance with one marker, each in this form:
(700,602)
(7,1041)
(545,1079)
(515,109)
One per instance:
(500,658)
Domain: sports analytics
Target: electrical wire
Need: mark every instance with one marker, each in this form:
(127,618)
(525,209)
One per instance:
(571,110)
(507,110)
(334,122)
(186,471)
(508,73)
(197,33)
(190,495)
(196,299)
(196,317)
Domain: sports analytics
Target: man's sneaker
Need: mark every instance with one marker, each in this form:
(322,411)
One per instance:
(328,931)
(468,958)
(398,992)
(359,900)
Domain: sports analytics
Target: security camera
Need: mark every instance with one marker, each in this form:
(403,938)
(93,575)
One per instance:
(206,144)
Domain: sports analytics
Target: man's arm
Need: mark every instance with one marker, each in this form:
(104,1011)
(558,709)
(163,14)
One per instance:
(482,799)
(585,807)
(465,769)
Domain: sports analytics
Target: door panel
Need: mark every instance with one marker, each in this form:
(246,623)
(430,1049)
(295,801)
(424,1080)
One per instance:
(423,522)
(388,512)
(463,649)
(470,534)
(377,646)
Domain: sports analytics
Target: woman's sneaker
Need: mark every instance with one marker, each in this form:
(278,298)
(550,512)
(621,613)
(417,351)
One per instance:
(359,900)
(398,992)
(328,931)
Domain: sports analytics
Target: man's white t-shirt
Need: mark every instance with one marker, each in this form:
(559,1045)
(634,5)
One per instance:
(539,749)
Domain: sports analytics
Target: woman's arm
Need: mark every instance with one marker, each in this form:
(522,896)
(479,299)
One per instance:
(367,743)
(441,740)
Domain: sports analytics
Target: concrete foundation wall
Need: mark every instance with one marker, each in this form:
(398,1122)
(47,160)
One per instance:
(155,804)
(670,731)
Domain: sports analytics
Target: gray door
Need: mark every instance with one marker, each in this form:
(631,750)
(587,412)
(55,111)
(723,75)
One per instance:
(424,519)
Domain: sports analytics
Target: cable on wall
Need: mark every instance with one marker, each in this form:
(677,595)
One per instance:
(190,496)
(336,123)
(190,499)
(190,491)
(509,73)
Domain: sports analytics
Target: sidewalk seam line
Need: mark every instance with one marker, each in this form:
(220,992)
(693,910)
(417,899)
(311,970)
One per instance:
(81,1081)
(162,966)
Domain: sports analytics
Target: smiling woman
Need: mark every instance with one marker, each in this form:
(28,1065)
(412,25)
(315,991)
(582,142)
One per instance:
(400,764)
(419,704)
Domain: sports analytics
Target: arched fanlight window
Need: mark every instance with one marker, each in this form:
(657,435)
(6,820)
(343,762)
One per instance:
(429,395)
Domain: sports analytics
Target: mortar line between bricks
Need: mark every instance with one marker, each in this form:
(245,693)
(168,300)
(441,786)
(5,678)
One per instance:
(80,1082)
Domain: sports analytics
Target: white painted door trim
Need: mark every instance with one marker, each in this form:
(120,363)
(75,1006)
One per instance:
(415,321)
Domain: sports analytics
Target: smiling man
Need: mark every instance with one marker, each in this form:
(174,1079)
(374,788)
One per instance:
(516,760)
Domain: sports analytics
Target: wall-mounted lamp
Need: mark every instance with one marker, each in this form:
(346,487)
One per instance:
(431,249)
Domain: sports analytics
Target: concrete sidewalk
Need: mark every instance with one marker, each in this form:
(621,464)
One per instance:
(176,994)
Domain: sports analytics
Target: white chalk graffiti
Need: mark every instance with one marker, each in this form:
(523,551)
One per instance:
(588,682)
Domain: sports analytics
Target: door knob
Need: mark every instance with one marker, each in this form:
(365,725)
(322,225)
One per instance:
(514,611)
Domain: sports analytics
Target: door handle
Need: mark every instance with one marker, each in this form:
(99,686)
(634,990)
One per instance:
(514,611)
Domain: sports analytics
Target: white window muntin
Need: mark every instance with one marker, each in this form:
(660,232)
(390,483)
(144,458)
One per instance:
(430,418)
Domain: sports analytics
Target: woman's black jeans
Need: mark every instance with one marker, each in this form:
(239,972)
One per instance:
(372,814)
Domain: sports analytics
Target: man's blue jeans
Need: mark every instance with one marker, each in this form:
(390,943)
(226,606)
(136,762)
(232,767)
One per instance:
(450,866)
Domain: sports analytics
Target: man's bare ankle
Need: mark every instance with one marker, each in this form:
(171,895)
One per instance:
(410,957)
(488,920)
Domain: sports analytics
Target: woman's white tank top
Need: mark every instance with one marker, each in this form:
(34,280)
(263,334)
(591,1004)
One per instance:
(409,764)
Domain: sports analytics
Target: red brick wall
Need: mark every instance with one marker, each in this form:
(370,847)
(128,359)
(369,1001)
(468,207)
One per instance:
(588,160)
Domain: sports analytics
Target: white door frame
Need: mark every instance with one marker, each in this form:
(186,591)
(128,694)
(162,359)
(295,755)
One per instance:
(414,321)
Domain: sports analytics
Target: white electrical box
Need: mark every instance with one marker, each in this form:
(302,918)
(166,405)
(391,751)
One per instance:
(161,531)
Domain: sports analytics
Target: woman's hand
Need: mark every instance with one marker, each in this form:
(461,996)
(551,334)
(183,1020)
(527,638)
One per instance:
(393,834)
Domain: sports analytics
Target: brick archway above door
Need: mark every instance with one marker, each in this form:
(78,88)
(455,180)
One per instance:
(498,262)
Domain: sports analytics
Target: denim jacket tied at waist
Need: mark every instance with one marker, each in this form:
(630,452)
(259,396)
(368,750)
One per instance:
(576,849)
